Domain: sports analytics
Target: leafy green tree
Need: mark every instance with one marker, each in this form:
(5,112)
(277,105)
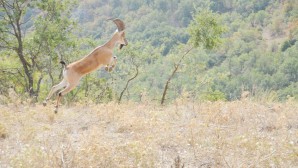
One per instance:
(205,31)
(12,14)
(50,28)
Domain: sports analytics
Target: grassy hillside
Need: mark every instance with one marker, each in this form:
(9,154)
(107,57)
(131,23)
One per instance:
(258,51)
(242,133)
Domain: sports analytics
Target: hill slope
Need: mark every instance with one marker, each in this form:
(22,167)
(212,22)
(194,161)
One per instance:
(232,134)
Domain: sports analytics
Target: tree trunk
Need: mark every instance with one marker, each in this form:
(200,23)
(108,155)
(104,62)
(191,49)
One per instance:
(176,67)
(167,85)
(25,64)
(14,12)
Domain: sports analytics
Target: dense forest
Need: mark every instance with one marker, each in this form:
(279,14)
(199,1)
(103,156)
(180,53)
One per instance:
(257,51)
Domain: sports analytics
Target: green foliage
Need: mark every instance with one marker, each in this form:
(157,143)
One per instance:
(287,44)
(33,37)
(288,92)
(214,96)
(205,30)
(258,52)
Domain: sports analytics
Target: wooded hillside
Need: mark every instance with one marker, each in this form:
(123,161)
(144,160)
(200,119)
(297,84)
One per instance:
(258,52)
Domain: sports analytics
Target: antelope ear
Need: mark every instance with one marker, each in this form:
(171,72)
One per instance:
(119,23)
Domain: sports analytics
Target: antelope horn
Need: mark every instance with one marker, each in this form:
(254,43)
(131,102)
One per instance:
(120,24)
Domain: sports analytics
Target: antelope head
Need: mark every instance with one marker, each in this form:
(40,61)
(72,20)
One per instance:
(121,26)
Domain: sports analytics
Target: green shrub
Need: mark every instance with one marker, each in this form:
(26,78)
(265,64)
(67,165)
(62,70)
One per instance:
(214,96)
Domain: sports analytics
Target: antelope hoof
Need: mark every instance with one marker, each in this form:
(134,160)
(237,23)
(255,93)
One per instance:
(56,110)
(44,103)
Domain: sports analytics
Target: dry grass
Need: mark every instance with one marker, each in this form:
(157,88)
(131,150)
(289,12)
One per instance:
(220,134)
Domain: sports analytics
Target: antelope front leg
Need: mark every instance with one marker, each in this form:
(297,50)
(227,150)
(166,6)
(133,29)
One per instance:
(112,64)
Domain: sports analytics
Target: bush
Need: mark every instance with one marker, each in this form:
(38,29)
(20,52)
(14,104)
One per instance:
(287,44)
(290,91)
(214,96)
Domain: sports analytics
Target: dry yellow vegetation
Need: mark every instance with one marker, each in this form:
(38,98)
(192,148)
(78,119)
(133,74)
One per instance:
(242,133)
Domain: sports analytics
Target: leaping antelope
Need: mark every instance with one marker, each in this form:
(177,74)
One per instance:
(102,55)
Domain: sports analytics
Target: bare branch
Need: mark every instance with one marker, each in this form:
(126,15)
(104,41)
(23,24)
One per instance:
(3,2)
(10,17)
(25,3)
(7,47)
(8,32)
(129,80)
(7,44)
(26,21)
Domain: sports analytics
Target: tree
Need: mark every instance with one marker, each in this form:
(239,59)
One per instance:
(205,31)
(50,26)
(12,36)
(134,58)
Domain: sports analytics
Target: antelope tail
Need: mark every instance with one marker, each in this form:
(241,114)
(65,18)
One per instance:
(63,63)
